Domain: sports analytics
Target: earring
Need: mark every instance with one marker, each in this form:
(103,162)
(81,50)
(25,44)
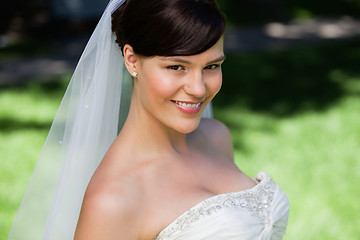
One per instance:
(134,74)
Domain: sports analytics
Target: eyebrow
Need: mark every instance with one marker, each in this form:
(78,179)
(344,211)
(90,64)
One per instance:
(181,60)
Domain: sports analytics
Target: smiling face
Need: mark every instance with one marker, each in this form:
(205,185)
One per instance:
(175,90)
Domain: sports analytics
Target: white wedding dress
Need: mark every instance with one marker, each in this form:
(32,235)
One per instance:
(257,213)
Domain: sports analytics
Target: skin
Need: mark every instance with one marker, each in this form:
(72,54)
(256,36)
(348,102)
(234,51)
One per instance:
(164,161)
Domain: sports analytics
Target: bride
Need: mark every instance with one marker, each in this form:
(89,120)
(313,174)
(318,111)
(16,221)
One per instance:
(169,173)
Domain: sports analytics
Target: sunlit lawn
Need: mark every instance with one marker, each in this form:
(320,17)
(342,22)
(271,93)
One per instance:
(26,113)
(294,114)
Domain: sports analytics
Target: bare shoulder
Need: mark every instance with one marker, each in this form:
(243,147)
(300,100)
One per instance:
(109,210)
(218,133)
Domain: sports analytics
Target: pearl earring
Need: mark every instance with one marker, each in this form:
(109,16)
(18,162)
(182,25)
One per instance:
(134,74)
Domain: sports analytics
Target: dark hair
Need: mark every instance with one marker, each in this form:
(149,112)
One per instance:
(168,27)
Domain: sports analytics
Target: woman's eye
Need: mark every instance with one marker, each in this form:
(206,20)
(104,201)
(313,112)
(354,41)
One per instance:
(176,67)
(212,66)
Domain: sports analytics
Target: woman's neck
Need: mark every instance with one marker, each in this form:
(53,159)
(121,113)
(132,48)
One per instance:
(144,131)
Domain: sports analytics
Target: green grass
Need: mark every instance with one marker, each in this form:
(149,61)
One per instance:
(26,113)
(292,113)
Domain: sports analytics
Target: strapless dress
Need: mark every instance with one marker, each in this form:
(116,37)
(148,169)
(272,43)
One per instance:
(257,213)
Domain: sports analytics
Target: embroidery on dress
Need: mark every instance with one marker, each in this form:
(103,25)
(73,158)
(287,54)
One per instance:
(256,200)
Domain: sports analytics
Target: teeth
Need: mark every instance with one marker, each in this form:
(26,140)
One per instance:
(189,105)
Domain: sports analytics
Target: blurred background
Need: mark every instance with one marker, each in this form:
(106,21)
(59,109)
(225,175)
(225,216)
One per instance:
(290,96)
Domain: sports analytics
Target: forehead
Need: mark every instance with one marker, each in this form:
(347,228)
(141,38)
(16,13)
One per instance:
(216,52)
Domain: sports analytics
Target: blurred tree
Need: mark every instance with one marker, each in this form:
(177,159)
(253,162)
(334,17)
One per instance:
(6,15)
(329,8)
(43,18)
(83,9)
(249,12)
(18,15)
(30,17)
(245,12)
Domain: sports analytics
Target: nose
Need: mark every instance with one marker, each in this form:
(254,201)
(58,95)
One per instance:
(195,85)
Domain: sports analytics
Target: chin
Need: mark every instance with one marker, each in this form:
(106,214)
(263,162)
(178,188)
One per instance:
(188,126)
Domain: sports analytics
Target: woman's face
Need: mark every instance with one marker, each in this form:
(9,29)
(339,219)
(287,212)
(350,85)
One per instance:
(175,90)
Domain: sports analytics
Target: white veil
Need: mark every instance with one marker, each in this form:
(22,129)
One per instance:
(87,122)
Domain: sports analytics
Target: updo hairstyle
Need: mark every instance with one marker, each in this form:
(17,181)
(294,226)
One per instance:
(168,27)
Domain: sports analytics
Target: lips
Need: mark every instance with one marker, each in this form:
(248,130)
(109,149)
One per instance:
(188,107)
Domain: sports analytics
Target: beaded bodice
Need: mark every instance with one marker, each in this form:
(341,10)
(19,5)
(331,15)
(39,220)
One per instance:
(257,213)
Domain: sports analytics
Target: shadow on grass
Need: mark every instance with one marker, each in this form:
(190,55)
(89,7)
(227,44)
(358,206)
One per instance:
(27,47)
(50,90)
(10,125)
(53,87)
(283,83)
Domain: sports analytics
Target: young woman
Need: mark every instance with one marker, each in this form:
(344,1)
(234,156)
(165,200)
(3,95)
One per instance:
(169,173)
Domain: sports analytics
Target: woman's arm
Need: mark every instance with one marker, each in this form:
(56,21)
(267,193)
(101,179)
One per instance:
(106,216)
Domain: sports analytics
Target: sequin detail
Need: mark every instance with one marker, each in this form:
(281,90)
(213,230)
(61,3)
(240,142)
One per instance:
(256,200)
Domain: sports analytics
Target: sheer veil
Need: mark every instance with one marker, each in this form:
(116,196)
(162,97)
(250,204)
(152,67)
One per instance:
(89,118)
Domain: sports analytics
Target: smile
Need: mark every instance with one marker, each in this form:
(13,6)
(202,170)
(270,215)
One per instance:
(188,105)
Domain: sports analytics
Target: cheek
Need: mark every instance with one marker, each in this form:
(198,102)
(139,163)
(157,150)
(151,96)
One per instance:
(160,85)
(214,84)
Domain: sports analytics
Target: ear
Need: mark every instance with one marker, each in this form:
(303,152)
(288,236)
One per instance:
(130,58)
